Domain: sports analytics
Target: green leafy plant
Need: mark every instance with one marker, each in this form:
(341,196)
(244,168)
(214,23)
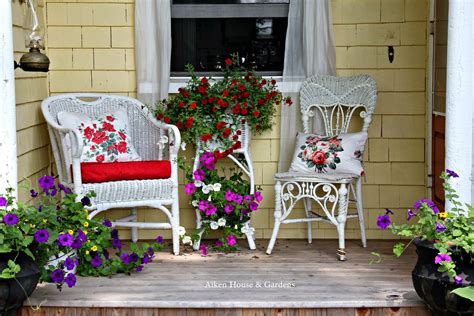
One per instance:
(450,232)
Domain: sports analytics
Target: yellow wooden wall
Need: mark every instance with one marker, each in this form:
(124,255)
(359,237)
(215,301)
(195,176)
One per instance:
(91,46)
(31,89)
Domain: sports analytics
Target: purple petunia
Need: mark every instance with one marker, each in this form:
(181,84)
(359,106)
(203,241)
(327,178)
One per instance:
(96,261)
(69,263)
(150,251)
(159,239)
(440,227)
(139,268)
(52,192)
(238,198)
(70,280)
(125,258)
(81,235)
(229,208)
(117,243)
(442,257)
(410,214)
(451,173)
(231,240)
(203,250)
(107,223)
(189,188)
(253,206)
(65,240)
(458,280)
(211,210)
(64,188)
(229,196)
(203,205)
(419,203)
(106,255)
(10,219)
(134,257)
(86,201)
(41,236)
(199,175)
(258,196)
(435,209)
(46,183)
(383,221)
(114,234)
(146,258)
(76,244)
(33,193)
(3,201)
(388,211)
(57,276)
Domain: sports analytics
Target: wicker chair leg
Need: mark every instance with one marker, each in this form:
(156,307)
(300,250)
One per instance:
(277,215)
(341,219)
(134,229)
(360,211)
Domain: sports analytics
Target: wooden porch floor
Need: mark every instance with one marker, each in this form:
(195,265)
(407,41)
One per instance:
(315,278)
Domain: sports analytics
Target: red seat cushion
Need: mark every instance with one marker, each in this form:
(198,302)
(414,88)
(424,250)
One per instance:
(96,172)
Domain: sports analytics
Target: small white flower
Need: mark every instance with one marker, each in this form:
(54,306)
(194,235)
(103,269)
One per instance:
(221,222)
(217,187)
(235,227)
(181,231)
(209,199)
(214,225)
(187,240)
(195,203)
(198,184)
(206,189)
(183,146)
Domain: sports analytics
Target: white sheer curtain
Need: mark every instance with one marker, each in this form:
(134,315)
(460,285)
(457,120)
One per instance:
(309,50)
(152,49)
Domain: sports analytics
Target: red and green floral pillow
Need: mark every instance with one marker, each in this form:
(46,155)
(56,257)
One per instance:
(340,154)
(105,138)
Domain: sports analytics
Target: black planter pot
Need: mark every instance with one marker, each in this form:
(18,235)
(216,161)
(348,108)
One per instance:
(435,287)
(13,292)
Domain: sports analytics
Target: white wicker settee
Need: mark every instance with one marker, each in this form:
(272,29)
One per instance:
(146,135)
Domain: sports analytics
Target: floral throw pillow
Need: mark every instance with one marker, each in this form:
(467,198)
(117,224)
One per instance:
(340,154)
(105,138)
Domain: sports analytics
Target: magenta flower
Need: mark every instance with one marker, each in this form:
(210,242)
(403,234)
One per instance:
(383,221)
(189,188)
(70,280)
(238,198)
(258,196)
(410,214)
(46,182)
(199,175)
(218,243)
(208,161)
(203,205)
(3,201)
(65,240)
(440,227)
(442,257)
(229,196)
(203,249)
(211,210)
(10,219)
(229,208)
(41,236)
(248,198)
(451,173)
(231,240)
(458,280)
(253,206)
(419,203)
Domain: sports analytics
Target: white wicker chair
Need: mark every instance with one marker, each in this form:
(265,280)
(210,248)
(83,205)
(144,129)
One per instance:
(243,159)
(145,132)
(338,100)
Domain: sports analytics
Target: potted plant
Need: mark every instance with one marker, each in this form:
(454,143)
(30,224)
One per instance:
(52,239)
(444,273)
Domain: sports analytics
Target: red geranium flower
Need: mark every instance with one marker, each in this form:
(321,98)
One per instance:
(233,82)
(203,101)
(274,93)
(181,104)
(245,111)
(220,125)
(99,137)
(88,132)
(261,101)
(288,101)
(210,100)
(204,80)
(256,114)
(236,109)
(189,122)
(273,82)
(228,61)
(241,87)
(246,94)
(235,137)
(214,110)
(193,106)
(225,93)
(179,125)
(226,133)
(206,137)
(264,81)
(237,145)
(167,120)
(239,132)
(100,158)
(202,89)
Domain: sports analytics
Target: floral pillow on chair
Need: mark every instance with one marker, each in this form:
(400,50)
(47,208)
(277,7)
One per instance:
(105,138)
(339,154)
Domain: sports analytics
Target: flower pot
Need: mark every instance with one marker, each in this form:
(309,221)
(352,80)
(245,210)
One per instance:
(435,287)
(14,291)
(56,260)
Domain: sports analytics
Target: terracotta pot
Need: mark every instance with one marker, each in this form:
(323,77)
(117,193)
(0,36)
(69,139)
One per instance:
(435,287)
(14,291)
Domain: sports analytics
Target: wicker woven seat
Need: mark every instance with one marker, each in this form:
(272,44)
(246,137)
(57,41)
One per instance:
(147,136)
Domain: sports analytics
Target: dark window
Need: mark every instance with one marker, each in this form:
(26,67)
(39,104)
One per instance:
(205,34)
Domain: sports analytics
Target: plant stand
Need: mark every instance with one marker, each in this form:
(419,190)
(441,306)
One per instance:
(246,164)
